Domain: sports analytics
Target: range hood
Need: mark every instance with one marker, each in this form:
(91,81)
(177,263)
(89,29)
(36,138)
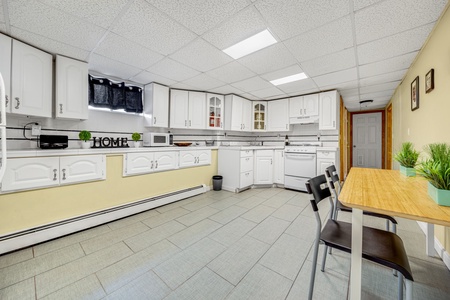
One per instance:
(304,120)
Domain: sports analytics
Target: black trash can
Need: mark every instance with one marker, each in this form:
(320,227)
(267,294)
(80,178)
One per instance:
(217,182)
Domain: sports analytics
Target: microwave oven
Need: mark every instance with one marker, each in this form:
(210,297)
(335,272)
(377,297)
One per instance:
(154,139)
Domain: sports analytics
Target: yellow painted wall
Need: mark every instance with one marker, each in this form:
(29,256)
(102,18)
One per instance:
(19,211)
(431,122)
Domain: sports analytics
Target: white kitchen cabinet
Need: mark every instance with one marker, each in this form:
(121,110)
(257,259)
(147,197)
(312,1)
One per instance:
(148,162)
(156,105)
(5,67)
(82,168)
(215,111)
(31,78)
(326,158)
(42,172)
(194,158)
(71,89)
(278,167)
(304,109)
(237,113)
(236,167)
(278,115)
(329,110)
(263,169)
(187,109)
(259,115)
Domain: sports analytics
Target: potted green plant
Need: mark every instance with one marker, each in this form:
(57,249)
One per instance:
(436,169)
(85,136)
(136,137)
(407,157)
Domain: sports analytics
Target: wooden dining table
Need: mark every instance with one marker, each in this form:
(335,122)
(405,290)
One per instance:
(386,192)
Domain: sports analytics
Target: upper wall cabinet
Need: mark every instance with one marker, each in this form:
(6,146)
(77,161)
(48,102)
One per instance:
(259,115)
(304,109)
(278,115)
(31,78)
(187,109)
(71,91)
(215,111)
(237,113)
(5,67)
(156,105)
(329,110)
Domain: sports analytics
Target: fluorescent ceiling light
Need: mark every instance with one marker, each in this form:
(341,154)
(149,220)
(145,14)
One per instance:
(252,44)
(288,79)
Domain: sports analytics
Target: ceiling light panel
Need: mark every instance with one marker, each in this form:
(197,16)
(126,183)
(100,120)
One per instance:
(288,79)
(252,44)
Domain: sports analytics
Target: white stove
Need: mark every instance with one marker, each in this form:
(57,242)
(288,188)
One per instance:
(300,165)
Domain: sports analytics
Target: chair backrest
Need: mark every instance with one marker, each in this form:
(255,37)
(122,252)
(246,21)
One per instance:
(331,173)
(318,187)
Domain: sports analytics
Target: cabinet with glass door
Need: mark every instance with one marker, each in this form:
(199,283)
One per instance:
(259,115)
(215,111)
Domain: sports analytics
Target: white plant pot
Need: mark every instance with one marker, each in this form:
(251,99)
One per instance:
(137,144)
(85,145)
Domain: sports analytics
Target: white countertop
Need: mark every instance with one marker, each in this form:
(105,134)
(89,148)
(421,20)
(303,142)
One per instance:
(268,147)
(327,148)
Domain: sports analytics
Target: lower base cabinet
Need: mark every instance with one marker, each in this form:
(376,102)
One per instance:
(278,167)
(148,162)
(236,167)
(263,170)
(326,158)
(194,158)
(41,172)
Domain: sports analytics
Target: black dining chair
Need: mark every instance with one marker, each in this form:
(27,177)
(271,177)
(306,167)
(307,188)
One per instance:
(379,246)
(335,185)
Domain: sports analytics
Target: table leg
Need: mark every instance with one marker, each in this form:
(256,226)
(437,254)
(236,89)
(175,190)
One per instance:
(356,256)
(430,239)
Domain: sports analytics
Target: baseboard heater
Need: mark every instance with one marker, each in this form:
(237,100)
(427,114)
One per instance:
(28,237)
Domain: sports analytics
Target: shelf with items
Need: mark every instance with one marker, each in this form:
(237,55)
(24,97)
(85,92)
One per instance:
(259,116)
(215,111)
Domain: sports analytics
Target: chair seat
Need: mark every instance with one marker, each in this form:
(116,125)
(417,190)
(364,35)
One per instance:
(383,247)
(342,207)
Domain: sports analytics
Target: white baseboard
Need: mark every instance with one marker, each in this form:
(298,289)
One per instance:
(444,255)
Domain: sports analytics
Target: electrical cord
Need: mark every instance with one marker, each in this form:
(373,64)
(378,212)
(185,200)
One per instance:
(25,126)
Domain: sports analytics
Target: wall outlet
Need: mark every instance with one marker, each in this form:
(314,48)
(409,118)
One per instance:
(36,130)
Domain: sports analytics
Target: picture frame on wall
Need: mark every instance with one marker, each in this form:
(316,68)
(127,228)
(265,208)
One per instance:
(429,81)
(415,94)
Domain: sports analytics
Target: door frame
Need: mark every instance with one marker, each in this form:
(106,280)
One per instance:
(389,137)
(383,134)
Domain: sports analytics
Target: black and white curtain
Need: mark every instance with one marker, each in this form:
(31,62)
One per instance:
(114,95)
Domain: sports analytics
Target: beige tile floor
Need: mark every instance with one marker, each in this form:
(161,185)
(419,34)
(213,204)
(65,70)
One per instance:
(218,245)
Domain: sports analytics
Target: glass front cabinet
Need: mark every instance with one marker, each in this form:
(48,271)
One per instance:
(259,115)
(215,111)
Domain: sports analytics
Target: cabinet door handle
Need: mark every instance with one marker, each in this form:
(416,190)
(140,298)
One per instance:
(60,108)
(156,164)
(151,165)
(18,103)
(154,120)
(54,174)
(185,123)
(334,123)
(7,100)
(64,174)
(304,111)
(190,123)
(271,161)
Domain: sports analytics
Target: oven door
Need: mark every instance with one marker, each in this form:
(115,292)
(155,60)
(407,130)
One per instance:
(300,164)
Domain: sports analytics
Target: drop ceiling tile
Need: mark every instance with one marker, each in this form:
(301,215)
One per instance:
(244,24)
(359,4)
(173,69)
(304,92)
(330,63)
(348,99)
(269,59)
(336,78)
(118,48)
(391,17)
(384,94)
(379,88)
(54,24)
(49,45)
(182,86)
(349,92)
(2,16)
(146,77)
(146,25)
(199,16)
(332,37)
(288,18)
(252,84)
(249,96)
(226,89)
(203,82)
(98,12)
(109,67)
(340,86)
(383,78)
(3,27)
(386,66)
(269,92)
(395,45)
(201,55)
(231,72)
(299,87)
(291,70)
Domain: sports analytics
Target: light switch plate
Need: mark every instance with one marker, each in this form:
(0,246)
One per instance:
(36,130)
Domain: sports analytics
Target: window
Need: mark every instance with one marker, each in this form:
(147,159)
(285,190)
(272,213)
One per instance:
(105,93)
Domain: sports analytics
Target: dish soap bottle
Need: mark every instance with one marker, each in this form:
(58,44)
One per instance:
(286,140)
